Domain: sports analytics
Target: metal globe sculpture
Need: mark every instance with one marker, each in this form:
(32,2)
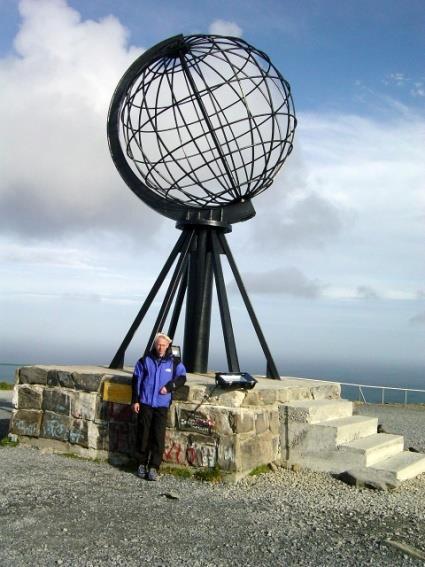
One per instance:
(198,126)
(201,122)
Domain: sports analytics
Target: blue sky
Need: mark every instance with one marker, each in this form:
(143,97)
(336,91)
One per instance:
(335,264)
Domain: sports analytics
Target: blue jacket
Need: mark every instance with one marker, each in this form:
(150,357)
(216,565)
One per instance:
(151,374)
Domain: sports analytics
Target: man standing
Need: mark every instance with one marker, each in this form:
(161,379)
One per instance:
(156,375)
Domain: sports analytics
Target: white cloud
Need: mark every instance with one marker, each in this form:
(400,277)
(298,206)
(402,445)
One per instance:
(57,174)
(398,78)
(222,27)
(418,89)
(281,281)
(418,319)
(367,292)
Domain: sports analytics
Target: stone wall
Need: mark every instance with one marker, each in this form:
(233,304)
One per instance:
(86,411)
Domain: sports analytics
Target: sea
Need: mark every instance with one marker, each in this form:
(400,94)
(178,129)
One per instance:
(379,383)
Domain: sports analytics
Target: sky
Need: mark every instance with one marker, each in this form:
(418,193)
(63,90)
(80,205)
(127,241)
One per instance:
(334,258)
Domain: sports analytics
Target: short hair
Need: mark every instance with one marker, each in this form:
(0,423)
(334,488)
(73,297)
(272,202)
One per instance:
(162,336)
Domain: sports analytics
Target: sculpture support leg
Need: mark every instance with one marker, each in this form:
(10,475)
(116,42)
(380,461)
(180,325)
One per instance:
(178,305)
(198,305)
(118,360)
(271,367)
(171,291)
(226,322)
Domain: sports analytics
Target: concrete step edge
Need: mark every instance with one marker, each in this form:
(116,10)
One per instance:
(372,442)
(401,467)
(349,421)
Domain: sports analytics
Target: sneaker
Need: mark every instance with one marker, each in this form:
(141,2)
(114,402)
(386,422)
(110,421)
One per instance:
(152,474)
(141,471)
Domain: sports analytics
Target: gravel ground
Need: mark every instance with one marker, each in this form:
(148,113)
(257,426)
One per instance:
(60,511)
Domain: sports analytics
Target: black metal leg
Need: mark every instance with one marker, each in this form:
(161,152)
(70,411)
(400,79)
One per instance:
(178,305)
(226,322)
(270,362)
(171,291)
(118,360)
(198,305)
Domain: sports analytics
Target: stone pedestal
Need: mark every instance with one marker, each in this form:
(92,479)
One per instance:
(86,411)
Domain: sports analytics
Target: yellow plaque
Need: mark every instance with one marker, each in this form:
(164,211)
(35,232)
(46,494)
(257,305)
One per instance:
(119,393)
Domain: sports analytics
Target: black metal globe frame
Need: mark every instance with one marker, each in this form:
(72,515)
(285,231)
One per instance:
(197,127)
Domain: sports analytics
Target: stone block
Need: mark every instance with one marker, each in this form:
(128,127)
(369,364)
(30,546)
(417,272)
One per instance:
(60,378)
(242,421)
(52,379)
(276,446)
(33,375)
(201,451)
(326,390)
(87,381)
(256,450)
(227,453)
(98,435)
(15,395)
(101,413)
(182,394)
(283,395)
(274,421)
(78,432)
(28,397)
(26,422)
(231,399)
(56,401)
(171,417)
(119,412)
(364,478)
(261,422)
(315,411)
(83,405)
(122,437)
(299,393)
(182,448)
(55,426)
(175,447)
(260,397)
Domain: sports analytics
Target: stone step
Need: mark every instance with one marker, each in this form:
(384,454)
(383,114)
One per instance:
(401,467)
(319,438)
(347,429)
(370,450)
(315,411)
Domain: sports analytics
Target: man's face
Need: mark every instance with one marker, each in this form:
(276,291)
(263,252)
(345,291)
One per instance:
(161,346)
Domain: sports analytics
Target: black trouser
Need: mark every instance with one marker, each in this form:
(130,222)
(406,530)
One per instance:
(152,423)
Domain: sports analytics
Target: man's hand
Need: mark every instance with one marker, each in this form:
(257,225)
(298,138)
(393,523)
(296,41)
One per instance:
(135,407)
(163,390)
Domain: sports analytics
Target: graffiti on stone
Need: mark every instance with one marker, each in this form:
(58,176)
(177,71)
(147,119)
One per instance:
(22,427)
(194,450)
(55,427)
(174,453)
(201,455)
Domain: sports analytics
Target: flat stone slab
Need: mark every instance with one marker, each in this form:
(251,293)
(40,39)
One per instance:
(350,428)
(376,447)
(199,387)
(401,467)
(316,411)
